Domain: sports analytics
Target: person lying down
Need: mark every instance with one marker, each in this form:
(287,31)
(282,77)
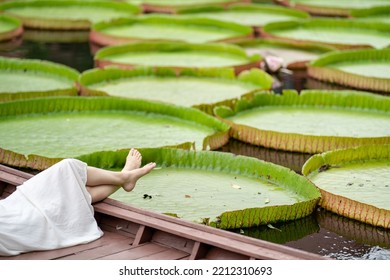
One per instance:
(54,210)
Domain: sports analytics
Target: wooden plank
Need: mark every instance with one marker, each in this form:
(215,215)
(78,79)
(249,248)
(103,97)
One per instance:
(120,226)
(168,254)
(13,176)
(220,254)
(113,247)
(136,252)
(107,238)
(174,241)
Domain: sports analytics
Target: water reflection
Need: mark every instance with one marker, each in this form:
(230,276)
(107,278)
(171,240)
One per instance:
(290,160)
(73,54)
(53,36)
(282,233)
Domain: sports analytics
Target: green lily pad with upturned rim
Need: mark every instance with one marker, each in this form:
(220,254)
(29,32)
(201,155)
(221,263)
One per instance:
(176,55)
(66,15)
(339,33)
(215,188)
(332,7)
(10,27)
(295,55)
(160,27)
(361,69)
(33,131)
(313,121)
(171,6)
(199,88)
(375,14)
(354,183)
(253,15)
(31,78)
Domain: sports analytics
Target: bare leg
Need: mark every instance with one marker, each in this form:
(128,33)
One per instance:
(98,193)
(102,183)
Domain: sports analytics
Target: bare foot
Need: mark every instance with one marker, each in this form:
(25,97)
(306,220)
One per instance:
(135,174)
(133,160)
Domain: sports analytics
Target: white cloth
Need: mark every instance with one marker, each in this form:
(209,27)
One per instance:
(51,210)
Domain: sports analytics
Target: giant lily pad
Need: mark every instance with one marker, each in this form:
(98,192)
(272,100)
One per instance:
(72,126)
(360,69)
(354,183)
(177,55)
(294,55)
(66,14)
(375,14)
(215,188)
(27,78)
(171,6)
(332,7)
(197,88)
(10,27)
(253,15)
(158,27)
(340,33)
(314,121)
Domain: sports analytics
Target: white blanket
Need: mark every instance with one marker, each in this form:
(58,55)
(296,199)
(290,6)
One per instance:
(51,210)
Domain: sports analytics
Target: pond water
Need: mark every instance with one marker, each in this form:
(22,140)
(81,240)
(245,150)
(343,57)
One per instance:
(323,232)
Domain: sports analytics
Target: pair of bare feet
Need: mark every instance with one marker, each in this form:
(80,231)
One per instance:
(133,170)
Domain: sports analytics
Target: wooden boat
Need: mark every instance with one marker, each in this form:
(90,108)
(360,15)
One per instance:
(133,233)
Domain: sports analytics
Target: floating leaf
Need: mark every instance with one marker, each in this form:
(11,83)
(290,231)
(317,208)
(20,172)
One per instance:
(66,15)
(360,69)
(359,187)
(49,128)
(159,27)
(253,15)
(375,14)
(177,56)
(206,177)
(333,7)
(313,121)
(40,79)
(295,55)
(339,33)
(199,88)
(153,6)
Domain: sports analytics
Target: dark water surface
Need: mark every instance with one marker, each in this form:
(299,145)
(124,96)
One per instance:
(323,233)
